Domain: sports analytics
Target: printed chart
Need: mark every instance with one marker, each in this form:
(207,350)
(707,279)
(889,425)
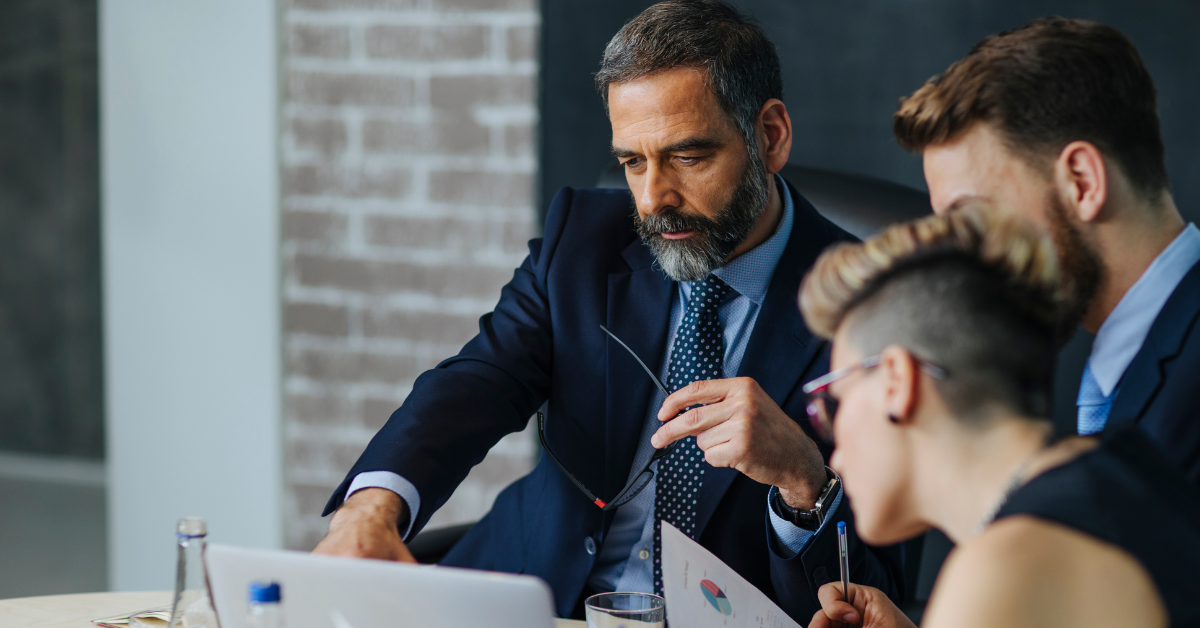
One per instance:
(716,597)
(703,592)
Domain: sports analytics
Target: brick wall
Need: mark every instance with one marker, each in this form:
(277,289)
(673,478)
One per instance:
(408,168)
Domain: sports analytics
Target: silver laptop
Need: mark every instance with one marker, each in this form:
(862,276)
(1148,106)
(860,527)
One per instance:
(373,593)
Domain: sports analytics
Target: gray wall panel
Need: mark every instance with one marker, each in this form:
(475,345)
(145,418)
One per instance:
(845,66)
(51,387)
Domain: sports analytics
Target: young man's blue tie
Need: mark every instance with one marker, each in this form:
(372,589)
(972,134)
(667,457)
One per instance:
(697,353)
(1093,405)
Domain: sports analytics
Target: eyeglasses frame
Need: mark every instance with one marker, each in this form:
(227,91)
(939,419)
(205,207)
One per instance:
(817,390)
(621,498)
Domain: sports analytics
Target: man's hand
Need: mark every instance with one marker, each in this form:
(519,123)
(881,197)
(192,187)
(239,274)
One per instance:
(367,526)
(871,609)
(741,427)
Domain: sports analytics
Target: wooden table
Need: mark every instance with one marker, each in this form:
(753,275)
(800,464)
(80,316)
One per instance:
(77,611)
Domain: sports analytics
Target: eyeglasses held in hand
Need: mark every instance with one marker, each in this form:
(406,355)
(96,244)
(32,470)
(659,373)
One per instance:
(823,407)
(639,481)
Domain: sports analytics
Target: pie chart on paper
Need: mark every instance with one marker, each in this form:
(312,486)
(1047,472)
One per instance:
(716,597)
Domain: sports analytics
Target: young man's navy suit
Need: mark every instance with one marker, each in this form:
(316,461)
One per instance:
(1160,390)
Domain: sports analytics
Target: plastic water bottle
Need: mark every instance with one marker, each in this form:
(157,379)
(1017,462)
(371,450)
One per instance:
(191,607)
(264,606)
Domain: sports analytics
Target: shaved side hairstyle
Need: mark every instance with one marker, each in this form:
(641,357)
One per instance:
(1043,86)
(972,291)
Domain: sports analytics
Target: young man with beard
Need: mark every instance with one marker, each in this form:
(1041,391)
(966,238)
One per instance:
(1058,121)
(696,271)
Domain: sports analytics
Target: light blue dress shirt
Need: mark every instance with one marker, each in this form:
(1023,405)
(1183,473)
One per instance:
(624,561)
(1124,331)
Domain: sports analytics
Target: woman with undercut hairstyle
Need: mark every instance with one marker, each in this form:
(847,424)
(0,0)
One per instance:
(944,334)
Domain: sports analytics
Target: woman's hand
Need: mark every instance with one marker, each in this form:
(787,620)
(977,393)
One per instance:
(870,609)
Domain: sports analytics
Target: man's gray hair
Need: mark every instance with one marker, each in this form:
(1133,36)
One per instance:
(740,64)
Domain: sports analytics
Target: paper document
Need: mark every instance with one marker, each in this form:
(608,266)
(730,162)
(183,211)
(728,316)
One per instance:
(152,617)
(703,592)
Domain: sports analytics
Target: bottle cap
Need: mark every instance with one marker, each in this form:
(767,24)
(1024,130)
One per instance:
(264,592)
(191,527)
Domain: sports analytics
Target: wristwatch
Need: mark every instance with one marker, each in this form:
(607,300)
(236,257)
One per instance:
(808,519)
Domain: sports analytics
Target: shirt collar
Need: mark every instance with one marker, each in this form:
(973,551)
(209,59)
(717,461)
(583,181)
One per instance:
(1123,332)
(750,273)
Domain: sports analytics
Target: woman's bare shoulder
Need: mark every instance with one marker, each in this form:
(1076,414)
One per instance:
(1029,571)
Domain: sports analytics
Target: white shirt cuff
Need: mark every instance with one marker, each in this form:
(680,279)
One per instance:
(395,484)
(789,539)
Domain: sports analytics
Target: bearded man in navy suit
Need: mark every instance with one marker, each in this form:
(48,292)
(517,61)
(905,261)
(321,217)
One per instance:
(1058,120)
(696,269)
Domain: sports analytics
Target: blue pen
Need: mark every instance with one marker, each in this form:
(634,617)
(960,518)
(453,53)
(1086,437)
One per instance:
(844,561)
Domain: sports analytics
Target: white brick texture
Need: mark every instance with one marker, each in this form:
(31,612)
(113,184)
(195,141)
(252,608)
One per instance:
(408,169)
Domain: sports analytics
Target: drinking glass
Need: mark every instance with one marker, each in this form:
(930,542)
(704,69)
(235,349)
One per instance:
(626,610)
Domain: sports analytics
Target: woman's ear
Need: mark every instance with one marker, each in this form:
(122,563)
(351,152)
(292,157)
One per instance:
(901,383)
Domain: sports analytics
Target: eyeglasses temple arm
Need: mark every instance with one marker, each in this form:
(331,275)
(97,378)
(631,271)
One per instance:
(653,377)
(546,448)
(934,370)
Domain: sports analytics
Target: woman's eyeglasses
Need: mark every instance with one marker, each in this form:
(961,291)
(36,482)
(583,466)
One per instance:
(823,407)
(642,479)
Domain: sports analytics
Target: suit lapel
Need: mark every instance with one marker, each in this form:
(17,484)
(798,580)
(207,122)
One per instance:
(1145,373)
(639,312)
(781,348)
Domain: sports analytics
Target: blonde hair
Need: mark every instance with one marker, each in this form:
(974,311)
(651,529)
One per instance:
(1025,261)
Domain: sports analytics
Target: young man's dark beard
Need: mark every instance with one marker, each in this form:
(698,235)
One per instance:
(694,257)
(1082,269)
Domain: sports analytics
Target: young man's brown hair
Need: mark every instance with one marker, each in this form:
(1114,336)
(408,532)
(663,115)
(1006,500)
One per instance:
(1049,83)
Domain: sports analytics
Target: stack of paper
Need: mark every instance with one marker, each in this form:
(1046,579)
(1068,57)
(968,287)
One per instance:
(149,617)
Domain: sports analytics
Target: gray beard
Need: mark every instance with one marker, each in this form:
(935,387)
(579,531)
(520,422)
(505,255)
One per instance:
(693,258)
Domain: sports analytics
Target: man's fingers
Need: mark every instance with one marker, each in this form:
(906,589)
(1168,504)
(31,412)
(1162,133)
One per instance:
(404,555)
(705,391)
(690,423)
(725,454)
(328,548)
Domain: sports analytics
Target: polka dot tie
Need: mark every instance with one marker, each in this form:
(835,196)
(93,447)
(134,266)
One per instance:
(698,353)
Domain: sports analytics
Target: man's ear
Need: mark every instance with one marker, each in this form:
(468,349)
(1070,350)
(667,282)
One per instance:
(901,383)
(1082,179)
(774,130)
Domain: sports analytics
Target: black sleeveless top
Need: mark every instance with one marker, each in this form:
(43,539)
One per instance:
(1125,493)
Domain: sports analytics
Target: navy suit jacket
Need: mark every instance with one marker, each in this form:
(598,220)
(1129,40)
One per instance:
(1160,390)
(543,344)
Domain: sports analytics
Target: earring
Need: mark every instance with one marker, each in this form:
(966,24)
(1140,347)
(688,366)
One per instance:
(893,419)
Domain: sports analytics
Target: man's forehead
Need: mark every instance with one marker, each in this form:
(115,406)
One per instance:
(963,168)
(666,105)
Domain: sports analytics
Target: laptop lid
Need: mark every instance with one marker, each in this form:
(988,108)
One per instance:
(374,593)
